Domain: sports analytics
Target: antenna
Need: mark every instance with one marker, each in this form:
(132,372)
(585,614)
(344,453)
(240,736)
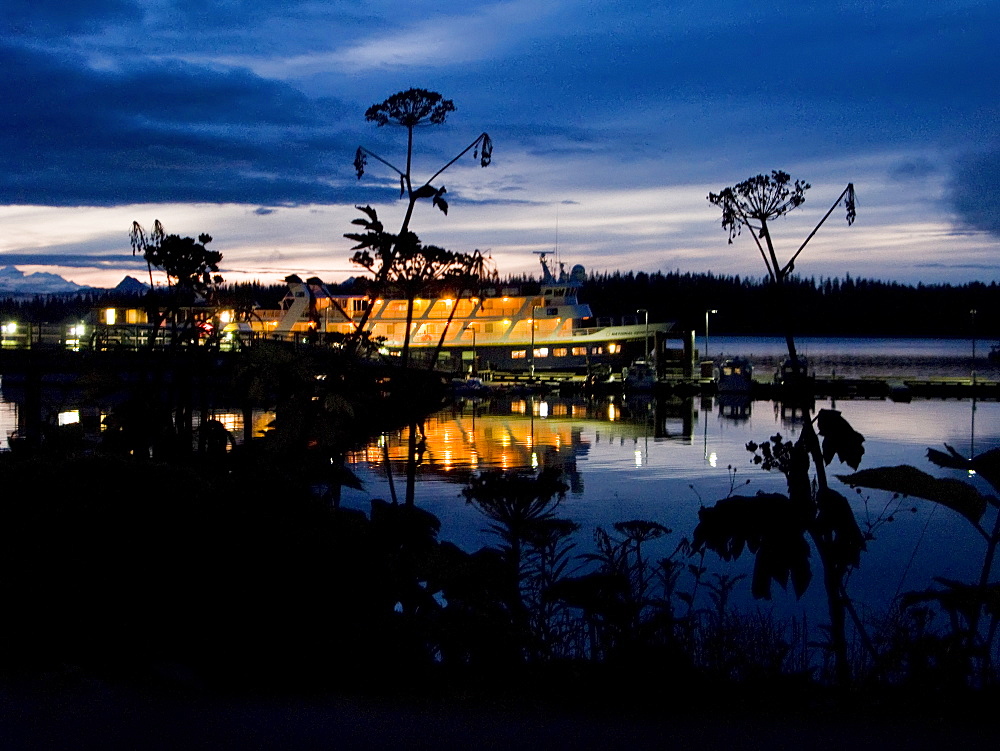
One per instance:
(546,274)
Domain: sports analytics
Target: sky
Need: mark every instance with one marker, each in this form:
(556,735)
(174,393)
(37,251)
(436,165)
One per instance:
(611,122)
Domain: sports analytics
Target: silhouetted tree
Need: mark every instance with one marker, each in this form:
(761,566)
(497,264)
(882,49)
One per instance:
(190,268)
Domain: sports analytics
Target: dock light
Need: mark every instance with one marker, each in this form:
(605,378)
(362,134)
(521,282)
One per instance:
(9,329)
(226,316)
(707,312)
(645,337)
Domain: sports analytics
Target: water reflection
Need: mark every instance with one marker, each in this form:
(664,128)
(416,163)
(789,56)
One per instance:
(638,459)
(534,432)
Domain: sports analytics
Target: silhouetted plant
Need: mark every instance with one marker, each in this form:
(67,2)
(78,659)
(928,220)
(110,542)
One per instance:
(968,646)
(774,527)
(521,508)
(408,109)
(626,602)
(408,268)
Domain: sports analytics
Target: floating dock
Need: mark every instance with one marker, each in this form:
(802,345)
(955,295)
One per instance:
(868,387)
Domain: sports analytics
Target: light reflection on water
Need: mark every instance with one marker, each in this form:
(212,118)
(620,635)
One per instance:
(634,459)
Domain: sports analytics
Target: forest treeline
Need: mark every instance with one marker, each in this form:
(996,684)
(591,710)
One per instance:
(745,305)
(822,307)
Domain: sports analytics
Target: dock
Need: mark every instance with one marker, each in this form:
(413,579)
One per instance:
(867,387)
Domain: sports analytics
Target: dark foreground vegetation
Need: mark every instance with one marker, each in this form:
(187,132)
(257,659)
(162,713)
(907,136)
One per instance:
(166,558)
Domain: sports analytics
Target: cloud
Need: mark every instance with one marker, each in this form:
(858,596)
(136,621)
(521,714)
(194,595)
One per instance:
(163,132)
(45,18)
(912,169)
(75,259)
(974,194)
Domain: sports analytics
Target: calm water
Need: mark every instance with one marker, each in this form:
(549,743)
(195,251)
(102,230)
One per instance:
(637,459)
(640,459)
(859,357)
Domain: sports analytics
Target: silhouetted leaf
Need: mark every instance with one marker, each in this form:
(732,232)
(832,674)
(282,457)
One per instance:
(839,529)
(425,191)
(768,525)
(987,464)
(439,200)
(839,438)
(960,597)
(907,480)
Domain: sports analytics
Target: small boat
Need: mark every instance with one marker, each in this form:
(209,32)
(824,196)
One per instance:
(639,376)
(470,386)
(735,376)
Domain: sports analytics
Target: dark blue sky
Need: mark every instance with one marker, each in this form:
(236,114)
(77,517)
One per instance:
(611,122)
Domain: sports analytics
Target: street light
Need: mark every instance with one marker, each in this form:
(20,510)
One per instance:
(706,330)
(645,338)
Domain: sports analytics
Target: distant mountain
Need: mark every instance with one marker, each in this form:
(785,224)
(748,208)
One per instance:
(131,285)
(15,283)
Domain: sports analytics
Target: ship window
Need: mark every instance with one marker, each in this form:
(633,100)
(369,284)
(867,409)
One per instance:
(488,328)
(390,329)
(579,350)
(542,352)
(597,351)
(519,354)
(466,354)
(614,348)
(560,352)
(358,304)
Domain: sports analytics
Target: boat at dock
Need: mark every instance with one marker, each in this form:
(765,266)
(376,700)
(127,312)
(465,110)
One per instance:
(529,326)
(735,376)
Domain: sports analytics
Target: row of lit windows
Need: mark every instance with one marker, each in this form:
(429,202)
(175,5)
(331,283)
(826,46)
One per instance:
(520,354)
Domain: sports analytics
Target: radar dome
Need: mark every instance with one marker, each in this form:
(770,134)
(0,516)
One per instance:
(578,273)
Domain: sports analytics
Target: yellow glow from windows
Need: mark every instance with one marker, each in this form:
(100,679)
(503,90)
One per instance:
(69,418)
(110,316)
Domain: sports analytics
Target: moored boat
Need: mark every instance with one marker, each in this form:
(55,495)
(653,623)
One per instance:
(527,327)
(735,376)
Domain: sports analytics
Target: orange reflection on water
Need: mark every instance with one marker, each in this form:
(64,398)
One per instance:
(462,441)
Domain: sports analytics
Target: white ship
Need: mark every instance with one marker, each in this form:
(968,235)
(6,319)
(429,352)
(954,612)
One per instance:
(499,327)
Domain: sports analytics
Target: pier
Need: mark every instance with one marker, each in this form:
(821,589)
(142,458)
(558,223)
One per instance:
(867,387)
